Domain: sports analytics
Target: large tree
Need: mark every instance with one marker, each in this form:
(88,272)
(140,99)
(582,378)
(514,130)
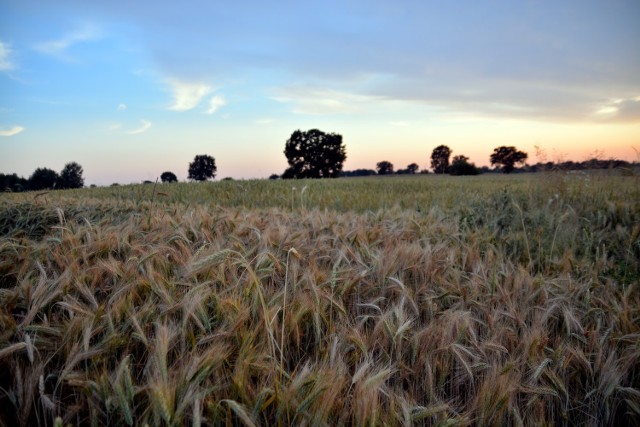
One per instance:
(314,154)
(440,159)
(43,178)
(168,177)
(384,167)
(202,168)
(507,157)
(71,176)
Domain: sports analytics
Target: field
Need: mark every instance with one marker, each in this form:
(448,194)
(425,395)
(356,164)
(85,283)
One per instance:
(426,300)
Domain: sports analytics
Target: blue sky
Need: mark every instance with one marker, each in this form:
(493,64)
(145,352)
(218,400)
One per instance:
(131,89)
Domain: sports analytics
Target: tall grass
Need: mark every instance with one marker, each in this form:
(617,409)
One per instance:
(404,301)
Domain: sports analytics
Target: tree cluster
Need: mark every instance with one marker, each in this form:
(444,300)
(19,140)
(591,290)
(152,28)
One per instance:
(45,179)
(459,166)
(590,164)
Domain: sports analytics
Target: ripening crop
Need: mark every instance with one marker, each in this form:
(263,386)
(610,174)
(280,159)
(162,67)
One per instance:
(382,301)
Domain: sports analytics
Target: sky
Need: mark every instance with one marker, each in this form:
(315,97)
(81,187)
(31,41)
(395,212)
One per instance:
(132,89)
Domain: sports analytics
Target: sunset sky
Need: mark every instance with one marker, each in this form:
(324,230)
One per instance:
(131,89)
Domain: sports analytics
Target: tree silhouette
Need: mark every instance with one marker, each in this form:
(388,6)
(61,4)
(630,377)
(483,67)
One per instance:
(412,168)
(43,178)
(71,176)
(440,159)
(202,168)
(168,177)
(384,168)
(13,182)
(507,157)
(359,172)
(460,166)
(314,154)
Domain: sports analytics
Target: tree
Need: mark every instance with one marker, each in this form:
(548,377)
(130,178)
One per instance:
(314,154)
(43,178)
(440,159)
(202,168)
(507,157)
(412,168)
(384,167)
(168,177)
(460,166)
(71,176)
(13,183)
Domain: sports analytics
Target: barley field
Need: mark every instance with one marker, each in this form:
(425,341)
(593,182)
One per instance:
(425,300)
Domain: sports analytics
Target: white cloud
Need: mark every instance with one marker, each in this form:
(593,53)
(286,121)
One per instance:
(216,102)
(145,125)
(122,107)
(264,121)
(187,96)
(5,60)
(58,47)
(12,131)
(315,101)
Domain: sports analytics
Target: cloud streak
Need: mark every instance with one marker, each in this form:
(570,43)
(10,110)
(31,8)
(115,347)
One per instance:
(145,125)
(317,101)
(58,48)
(11,131)
(620,110)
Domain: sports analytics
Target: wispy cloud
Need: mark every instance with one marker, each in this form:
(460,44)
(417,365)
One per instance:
(187,96)
(265,121)
(528,99)
(59,47)
(320,101)
(11,131)
(399,124)
(215,103)
(144,126)
(5,57)
(122,107)
(620,110)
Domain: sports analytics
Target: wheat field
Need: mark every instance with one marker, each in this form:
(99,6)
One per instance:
(427,300)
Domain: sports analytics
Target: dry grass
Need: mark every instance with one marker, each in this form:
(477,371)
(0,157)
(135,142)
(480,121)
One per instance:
(496,303)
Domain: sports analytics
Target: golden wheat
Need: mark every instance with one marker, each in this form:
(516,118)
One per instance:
(425,300)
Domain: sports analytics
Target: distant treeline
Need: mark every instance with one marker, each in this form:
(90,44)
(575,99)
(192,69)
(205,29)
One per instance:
(44,179)
(71,176)
(538,167)
(586,165)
